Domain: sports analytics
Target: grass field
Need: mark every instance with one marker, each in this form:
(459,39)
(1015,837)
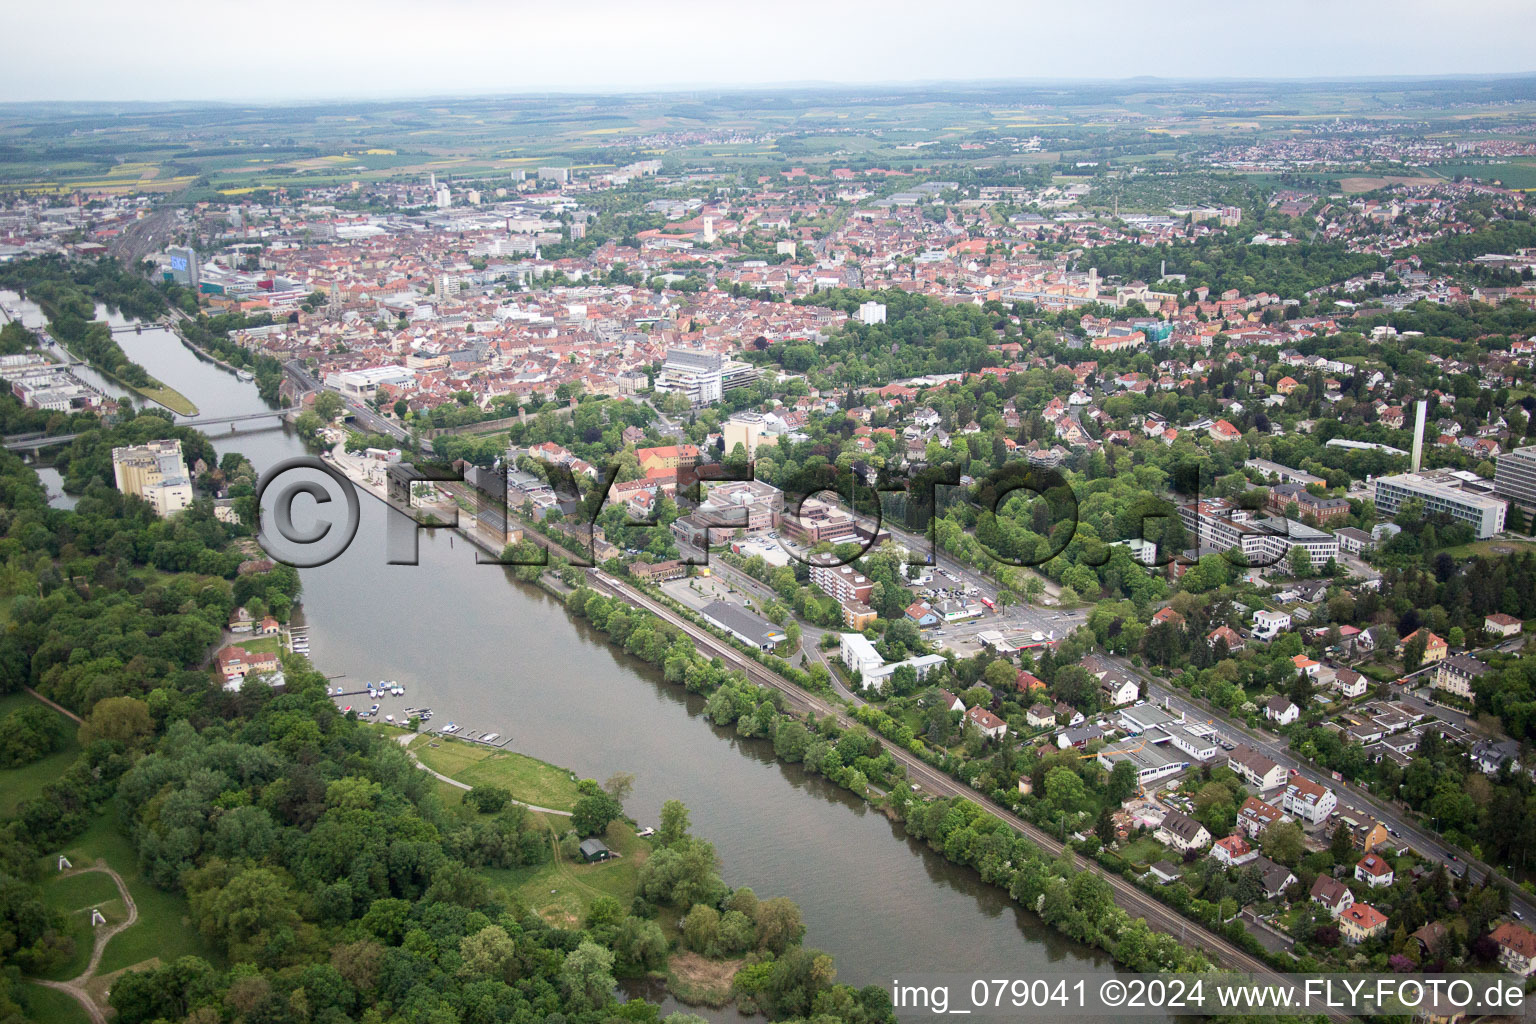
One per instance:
(1489,548)
(561,891)
(528,779)
(27,781)
(48,1006)
(75,896)
(558,890)
(170,398)
(164,928)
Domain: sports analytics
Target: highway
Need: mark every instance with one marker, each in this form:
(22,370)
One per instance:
(1351,797)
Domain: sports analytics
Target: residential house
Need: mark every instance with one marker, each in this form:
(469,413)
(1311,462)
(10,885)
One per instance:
(1361,921)
(236,664)
(950,702)
(1435,649)
(1267,624)
(1333,894)
(240,620)
(1040,715)
(922,613)
(1458,673)
(1517,948)
(269,626)
(1349,683)
(989,724)
(1255,816)
(1373,870)
(1116,686)
(1182,832)
(1281,710)
(1227,634)
(1500,624)
(1233,851)
(1164,872)
(1431,938)
(1276,878)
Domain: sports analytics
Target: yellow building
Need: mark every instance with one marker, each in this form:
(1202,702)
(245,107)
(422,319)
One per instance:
(155,472)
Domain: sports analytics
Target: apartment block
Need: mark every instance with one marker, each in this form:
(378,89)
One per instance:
(156,472)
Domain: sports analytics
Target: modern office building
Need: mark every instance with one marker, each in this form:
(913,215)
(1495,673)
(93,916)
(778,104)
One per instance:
(155,472)
(1264,541)
(1514,477)
(1442,493)
(181,265)
(703,376)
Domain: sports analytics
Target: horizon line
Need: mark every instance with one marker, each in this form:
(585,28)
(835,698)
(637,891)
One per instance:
(788,86)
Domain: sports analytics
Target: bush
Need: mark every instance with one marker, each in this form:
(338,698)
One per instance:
(30,733)
(488,799)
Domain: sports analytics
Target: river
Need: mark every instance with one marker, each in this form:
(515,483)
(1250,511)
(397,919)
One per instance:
(494,654)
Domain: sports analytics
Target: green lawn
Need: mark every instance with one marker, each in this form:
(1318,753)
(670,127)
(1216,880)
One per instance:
(47,1006)
(527,779)
(1143,851)
(75,896)
(27,781)
(164,928)
(261,644)
(561,891)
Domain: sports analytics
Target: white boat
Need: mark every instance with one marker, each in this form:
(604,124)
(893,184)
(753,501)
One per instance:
(245,375)
(489,737)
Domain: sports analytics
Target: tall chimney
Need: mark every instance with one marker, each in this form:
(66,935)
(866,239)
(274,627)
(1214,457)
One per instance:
(1420,411)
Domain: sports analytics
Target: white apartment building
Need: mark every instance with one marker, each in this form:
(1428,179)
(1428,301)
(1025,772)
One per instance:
(1440,493)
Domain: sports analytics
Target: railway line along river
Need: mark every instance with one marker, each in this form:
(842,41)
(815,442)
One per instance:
(492,654)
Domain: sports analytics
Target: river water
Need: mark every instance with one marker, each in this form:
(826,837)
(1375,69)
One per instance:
(497,655)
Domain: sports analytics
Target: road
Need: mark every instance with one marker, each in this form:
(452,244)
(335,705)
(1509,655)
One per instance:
(1352,798)
(361,414)
(930,780)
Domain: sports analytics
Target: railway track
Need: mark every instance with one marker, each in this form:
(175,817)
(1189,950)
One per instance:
(1131,899)
(933,781)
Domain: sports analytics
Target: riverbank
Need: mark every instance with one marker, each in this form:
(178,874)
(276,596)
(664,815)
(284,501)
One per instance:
(160,393)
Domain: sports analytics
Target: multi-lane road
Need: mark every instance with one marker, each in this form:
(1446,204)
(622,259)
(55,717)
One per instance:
(930,780)
(1351,797)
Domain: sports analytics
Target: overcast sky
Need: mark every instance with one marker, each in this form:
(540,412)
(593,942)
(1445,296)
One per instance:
(303,49)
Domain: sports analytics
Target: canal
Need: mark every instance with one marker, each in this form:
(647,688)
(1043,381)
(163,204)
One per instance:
(491,653)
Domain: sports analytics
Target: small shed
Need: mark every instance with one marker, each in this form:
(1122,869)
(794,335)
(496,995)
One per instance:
(594,850)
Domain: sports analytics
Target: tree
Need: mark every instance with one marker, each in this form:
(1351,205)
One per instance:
(486,953)
(328,405)
(594,812)
(1301,562)
(1413,651)
(701,930)
(122,719)
(779,925)
(620,785)
(1122,782)
(1342,845)
(1065,790)
(1283,842)
(487,799)
(587,977)
(674,823)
